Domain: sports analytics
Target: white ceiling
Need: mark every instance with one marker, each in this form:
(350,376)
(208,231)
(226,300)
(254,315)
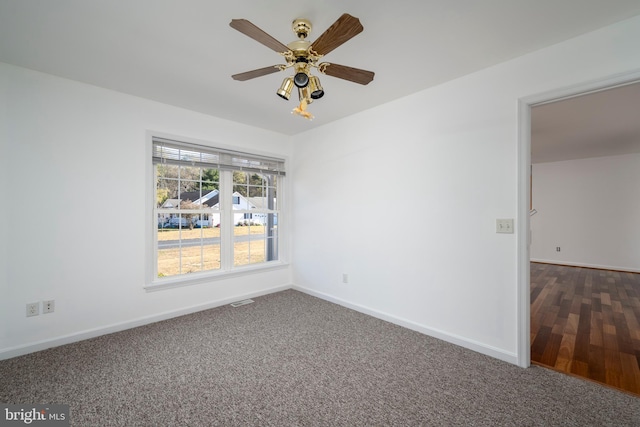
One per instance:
(184,52)
(603,123)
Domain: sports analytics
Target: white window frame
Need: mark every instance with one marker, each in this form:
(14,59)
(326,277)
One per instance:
(227,268)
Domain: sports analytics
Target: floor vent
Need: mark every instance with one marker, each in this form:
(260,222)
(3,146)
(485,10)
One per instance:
(243,302)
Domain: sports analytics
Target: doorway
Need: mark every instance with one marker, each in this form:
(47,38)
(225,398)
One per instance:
(527,155)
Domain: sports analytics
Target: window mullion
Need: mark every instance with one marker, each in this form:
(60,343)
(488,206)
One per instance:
(226,219)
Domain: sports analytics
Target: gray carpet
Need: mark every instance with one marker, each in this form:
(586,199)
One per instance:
(291,359)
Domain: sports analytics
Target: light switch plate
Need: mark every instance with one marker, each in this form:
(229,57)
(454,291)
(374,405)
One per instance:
(504,226)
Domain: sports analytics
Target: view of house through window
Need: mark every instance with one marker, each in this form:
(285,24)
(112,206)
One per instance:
(215,209)
(255,232)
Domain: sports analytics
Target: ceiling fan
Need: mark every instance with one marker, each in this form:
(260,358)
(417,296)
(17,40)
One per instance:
(302,56)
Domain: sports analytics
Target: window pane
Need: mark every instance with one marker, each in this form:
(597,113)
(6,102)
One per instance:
(190,178)
(210,200)
(178,221)
(248,228)
(210,244)
(214,221)
(239,177)
(167,171)
(191,257)
(254,191)
(168,261)
(240,184)
(240,253)
(248,252)
(166,190)
(257,251)
(211,256)
(190,190)
(163,224)
(256,229)
(241,236)
(257,179)
(240,231)
(210,180)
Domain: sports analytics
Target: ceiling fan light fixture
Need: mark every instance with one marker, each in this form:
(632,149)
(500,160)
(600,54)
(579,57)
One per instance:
(302,56)
(315,88)
(301,79)
(285,88)
(305,93)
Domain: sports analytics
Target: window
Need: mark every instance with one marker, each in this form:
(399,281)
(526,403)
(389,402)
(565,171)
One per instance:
(216,210)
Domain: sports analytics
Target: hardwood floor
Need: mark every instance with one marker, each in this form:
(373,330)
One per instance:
(586,322)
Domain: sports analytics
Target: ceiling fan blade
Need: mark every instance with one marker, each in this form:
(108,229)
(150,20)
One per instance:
(341,31)
(256,73)
(355,75)
(250,30)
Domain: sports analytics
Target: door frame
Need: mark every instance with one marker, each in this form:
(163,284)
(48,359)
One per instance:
(523,234)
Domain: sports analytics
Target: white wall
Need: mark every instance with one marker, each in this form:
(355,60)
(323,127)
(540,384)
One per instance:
(590,208)
(4,226)
(447,156)
(76,161)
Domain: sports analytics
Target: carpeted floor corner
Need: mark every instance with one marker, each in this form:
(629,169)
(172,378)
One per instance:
(290,359)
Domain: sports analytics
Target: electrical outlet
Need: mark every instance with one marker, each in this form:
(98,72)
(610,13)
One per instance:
(345,278)
(48,306)
(557,248)
(33,309)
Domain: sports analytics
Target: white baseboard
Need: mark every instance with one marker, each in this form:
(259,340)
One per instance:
(96,332)
(581,264)
(436,333)
(117,327)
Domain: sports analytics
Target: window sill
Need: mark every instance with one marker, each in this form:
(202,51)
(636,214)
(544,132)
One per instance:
(198,278)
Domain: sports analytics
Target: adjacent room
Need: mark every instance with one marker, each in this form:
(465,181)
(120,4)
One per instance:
(312,213)
(585,234)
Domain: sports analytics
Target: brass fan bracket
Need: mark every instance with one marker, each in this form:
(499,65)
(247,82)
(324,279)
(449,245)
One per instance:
(301,28)
(301,67)
(313,54)
(323,67)
(282,67)
(288,55)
